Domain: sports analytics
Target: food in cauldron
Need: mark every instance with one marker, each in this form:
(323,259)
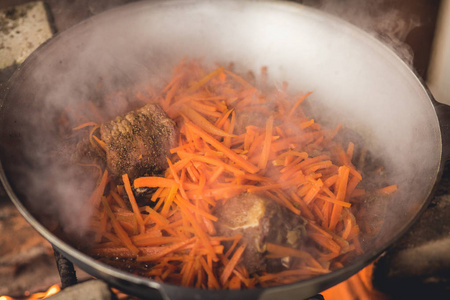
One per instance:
(138,143)
(259,220)
(272,203)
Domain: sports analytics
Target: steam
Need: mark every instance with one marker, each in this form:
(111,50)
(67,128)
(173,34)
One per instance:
(114,55)
(390,25)
(101,69)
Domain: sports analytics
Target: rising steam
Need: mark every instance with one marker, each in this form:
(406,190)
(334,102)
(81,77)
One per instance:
(140,45)
(377,17)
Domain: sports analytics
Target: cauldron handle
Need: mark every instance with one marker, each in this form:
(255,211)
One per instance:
(443,113)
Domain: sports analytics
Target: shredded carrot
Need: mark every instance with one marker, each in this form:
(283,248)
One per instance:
(87,124)
(388,189)
(232,263)
(126,182)
(340,195)
(162,251)
(233,139)
(205,79)
(226,151)
(299,101)
(203,123)
(96,196)
(153,182)
(267,141)
(281,251)
(100,142)
(123,236)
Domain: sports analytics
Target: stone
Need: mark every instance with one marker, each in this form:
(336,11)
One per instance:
(23,28)
(89,290)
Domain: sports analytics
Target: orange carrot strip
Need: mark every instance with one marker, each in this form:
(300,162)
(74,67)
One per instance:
(165,250)
(281,251)
(212,280)
(85,125)
(350,149)
(267,142)
(102,225)
(388,189)
(169,200)
(226,151)
(153,182)
(126,183)
(100,142)
(212,161)
(325,242)
(203,123)
(238,78)
(235,242)
(216,174)
(232,264)
(305,211)
(329,199)
(330,181)
(234,283)
(221,121)
(205,79)
(230,130)
(299,101)
(123,236)
(118,199)
(306,124)
(207,105)
(179,200)
(145,240)
(340,196)
(283,200)
(313,191)
(172,82)
(200,233)
(96,196)
(352,186)
(348,228)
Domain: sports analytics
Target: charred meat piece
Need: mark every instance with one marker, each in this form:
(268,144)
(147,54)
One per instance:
(138,142)
(259,220)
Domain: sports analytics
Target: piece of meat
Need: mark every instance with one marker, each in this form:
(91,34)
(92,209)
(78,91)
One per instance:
(139,142)
(259,220)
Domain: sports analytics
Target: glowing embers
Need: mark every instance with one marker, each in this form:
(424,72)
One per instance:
(40,295)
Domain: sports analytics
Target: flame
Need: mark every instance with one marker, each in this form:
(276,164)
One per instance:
(41,295)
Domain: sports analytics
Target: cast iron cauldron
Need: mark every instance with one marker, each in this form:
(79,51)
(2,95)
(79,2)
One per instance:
(355,79)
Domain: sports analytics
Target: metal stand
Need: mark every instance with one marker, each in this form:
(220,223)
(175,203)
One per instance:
(65,269)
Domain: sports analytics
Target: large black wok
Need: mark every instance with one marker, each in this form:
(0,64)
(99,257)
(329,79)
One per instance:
(355,80)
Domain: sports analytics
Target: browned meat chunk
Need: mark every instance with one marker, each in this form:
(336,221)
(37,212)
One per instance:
(259,220)
(139,142)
